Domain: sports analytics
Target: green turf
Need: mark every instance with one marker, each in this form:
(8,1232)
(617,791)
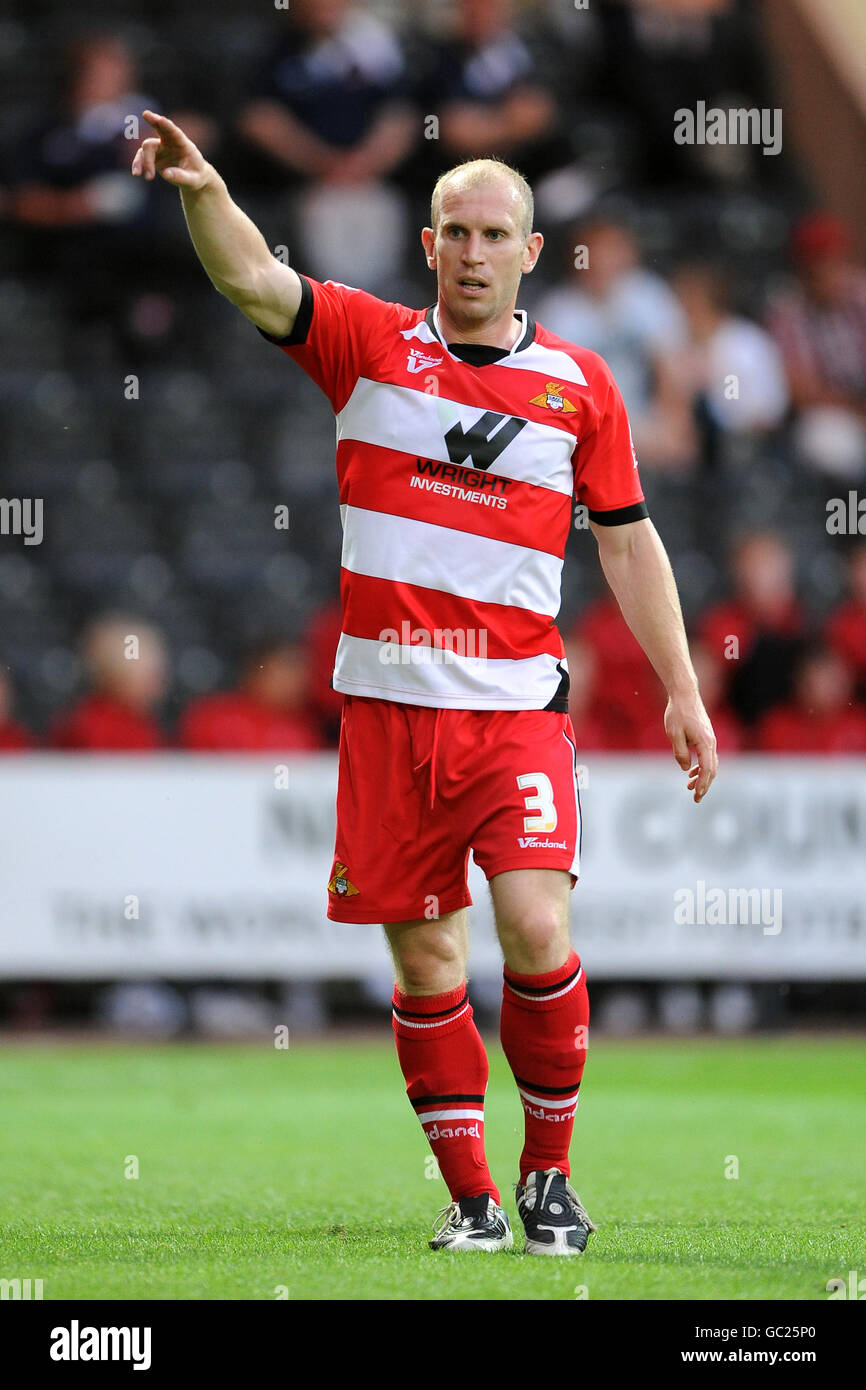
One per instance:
(305,1169)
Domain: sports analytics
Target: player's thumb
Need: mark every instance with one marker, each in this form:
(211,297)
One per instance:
(180,177)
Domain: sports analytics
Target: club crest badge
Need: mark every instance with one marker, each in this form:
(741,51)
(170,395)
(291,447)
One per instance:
(553,397)
(340,883)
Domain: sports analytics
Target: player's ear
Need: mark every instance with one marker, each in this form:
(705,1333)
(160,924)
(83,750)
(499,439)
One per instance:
(532,251)
(428,241)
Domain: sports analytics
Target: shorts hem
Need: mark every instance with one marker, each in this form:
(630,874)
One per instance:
(528,862)
(388,915)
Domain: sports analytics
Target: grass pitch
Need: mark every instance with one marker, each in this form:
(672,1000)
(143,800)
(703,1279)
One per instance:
(265,1173)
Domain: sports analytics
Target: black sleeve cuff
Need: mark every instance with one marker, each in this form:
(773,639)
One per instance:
(303,319)
(620,515)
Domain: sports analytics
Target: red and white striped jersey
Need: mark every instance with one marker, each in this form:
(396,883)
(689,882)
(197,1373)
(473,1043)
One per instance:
(457,467)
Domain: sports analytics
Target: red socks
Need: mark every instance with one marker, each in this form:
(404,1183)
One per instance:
(544,1028)
(443,1060)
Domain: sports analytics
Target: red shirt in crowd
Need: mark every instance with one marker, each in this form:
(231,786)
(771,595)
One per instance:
(102,724)
(632,690)
(593,731)
(734,619)
(791,729)
(234,722)
(14,737)
(322,638)
(845,632)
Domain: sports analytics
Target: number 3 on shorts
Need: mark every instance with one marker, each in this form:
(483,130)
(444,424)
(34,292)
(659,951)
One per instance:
(542,802)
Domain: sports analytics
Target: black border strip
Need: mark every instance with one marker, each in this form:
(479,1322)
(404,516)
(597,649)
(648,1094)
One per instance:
(303,319)
(542,990)
(443,1100)
(547,1090)
(620,516)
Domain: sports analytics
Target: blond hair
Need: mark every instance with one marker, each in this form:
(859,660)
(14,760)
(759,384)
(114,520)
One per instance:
(473,172)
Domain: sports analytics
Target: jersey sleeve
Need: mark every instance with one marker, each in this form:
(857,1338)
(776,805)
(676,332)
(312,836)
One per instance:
(332,335)
(606,478)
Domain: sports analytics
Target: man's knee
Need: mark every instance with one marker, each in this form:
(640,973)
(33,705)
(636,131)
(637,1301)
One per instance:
(430,956)
(536,942)
(531,907)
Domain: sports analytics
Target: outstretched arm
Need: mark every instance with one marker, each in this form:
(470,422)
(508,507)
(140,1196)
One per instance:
(230,247)
(637,568)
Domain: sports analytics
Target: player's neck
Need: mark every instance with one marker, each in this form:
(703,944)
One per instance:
(502,332)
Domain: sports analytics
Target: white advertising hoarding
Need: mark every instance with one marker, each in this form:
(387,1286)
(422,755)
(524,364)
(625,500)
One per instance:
(178,865)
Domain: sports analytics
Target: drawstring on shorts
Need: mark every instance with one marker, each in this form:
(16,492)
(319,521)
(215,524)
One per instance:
(431,758)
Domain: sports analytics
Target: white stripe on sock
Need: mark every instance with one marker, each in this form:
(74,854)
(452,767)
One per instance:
(425,1115)
(543,1100)
(435,1023)
(542,998)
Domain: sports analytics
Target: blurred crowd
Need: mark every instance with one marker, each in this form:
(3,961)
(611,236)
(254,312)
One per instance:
(349,109)
(772,680)
(731,308)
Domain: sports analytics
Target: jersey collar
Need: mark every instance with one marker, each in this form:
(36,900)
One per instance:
(431,318)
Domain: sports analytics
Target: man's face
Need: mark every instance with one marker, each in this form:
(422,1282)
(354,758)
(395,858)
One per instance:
(764,569)
(612,253)
(480,19)
(478,251)
(322,17)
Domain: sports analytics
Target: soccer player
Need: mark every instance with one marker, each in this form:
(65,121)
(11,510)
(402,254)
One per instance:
(464,431)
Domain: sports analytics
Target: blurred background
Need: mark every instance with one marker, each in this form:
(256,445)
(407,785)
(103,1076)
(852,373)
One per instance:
(166,820)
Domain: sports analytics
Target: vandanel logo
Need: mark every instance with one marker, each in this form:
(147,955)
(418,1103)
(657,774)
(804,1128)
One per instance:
(419,361)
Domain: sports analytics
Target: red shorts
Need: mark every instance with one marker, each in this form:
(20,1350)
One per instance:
(419,788)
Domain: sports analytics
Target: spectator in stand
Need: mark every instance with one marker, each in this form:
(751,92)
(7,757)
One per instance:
(711,674)
(267,713)
(594,726)
(822,717)
(321,640)
(613,305)
(490,98)
(73,170)
(845,629)
(126,665)
(85,221)
(757,634)
(14,738)
(730,368)
(820,327)
(330,112)
(661,56)
(633,693)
